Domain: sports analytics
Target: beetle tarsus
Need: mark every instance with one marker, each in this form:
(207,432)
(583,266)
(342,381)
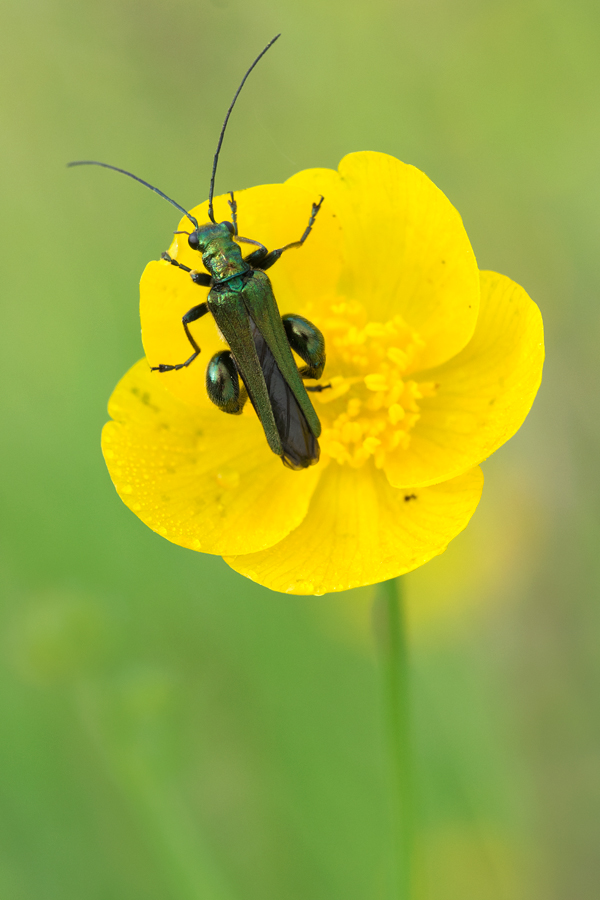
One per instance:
(201,278)
(163,367)
(233,207)
(263,260)
(192,315)
(178,265)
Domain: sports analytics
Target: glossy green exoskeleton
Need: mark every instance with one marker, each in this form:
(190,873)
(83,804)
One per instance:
(261,341)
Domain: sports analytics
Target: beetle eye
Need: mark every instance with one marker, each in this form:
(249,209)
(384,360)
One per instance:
(229,227)
(193,241)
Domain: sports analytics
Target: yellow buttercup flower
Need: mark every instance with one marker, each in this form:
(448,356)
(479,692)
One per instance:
(432,366)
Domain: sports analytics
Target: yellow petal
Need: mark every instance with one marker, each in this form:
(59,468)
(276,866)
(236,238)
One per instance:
(201,478)
(360,530)
(405,250)
(274,214)
(166,294)
(483,394)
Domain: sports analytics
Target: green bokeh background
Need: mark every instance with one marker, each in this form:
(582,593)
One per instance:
(168,730)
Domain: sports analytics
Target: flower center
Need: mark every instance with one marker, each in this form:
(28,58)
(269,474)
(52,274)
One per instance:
(372,405)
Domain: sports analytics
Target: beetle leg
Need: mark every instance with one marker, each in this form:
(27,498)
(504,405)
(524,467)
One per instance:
(201,278)
(196,312)
(233,208)
(272,257)
(256,257)
(308,342)
(223,383)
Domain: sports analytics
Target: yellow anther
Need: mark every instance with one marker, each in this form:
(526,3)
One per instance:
(354,405)
(337,451)
(377,417)
(358,458)
(376,426)
(339,308)
(397,356)
(354,336)
(379,458)
(376,382)
(395,393)
(352,432)
(339,387)
(375,329)
(375,401)
(396,439)
(371,444)
(408,397)
(396,413)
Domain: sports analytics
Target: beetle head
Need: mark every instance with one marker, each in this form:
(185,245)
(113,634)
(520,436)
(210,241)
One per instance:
(204,235)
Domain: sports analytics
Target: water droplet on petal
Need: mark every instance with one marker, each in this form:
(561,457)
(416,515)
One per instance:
(228,478)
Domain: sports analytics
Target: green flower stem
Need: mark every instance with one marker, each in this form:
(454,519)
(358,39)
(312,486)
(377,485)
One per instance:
(391,639)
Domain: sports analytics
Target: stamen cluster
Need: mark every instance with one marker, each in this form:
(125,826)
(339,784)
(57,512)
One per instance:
(367,366)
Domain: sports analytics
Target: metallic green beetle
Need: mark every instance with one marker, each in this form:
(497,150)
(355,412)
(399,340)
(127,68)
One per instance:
(243,305)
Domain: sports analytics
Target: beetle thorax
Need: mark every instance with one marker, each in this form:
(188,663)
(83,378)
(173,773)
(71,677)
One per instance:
(223,258)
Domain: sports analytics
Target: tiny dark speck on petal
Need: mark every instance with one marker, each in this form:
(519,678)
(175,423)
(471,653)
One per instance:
(408,497)
(145,398)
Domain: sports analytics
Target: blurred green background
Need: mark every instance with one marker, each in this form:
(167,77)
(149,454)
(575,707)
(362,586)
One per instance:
(168,730)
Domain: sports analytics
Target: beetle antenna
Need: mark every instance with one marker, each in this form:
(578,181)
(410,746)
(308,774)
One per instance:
(91,162)
(222,135)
